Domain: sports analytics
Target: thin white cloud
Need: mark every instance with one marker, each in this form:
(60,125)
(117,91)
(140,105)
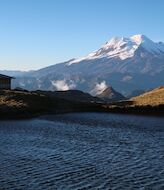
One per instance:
(127,78)
(62,85)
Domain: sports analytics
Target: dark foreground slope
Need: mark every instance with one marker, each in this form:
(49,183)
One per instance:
(20,104)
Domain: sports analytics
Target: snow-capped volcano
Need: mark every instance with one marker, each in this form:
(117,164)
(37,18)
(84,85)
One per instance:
(126,64)
(123,48)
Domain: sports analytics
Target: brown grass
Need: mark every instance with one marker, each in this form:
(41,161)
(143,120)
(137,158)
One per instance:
(153,98)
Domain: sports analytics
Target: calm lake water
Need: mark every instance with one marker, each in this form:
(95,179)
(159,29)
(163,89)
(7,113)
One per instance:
(82,151)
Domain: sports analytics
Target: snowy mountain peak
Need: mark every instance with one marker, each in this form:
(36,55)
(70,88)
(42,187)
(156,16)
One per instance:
(148,44)
(123,48)
(116,40)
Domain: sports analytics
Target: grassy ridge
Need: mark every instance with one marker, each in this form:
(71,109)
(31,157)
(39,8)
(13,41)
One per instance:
(153,98)
(151,102)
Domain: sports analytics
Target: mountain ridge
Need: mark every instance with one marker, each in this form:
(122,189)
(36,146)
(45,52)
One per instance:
(143,61)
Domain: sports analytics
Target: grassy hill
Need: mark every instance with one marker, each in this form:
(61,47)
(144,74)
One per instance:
(153,98)
(151,102)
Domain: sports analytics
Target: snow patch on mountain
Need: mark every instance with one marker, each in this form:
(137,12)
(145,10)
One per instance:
(99,88)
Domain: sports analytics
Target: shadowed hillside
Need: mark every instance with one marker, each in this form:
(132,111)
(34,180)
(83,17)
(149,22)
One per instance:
(18,104)
(71,95)
(23,104)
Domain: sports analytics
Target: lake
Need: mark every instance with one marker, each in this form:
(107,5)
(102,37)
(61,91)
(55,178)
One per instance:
(82,151)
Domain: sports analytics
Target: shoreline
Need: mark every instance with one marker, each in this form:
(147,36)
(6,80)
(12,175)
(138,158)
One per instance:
(140,111)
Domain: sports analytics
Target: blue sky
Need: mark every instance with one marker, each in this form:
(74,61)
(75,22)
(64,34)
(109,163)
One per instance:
(38,33)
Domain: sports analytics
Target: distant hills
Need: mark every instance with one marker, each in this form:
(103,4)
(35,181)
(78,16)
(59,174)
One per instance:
(136,92)
(15,73)
(126,64)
